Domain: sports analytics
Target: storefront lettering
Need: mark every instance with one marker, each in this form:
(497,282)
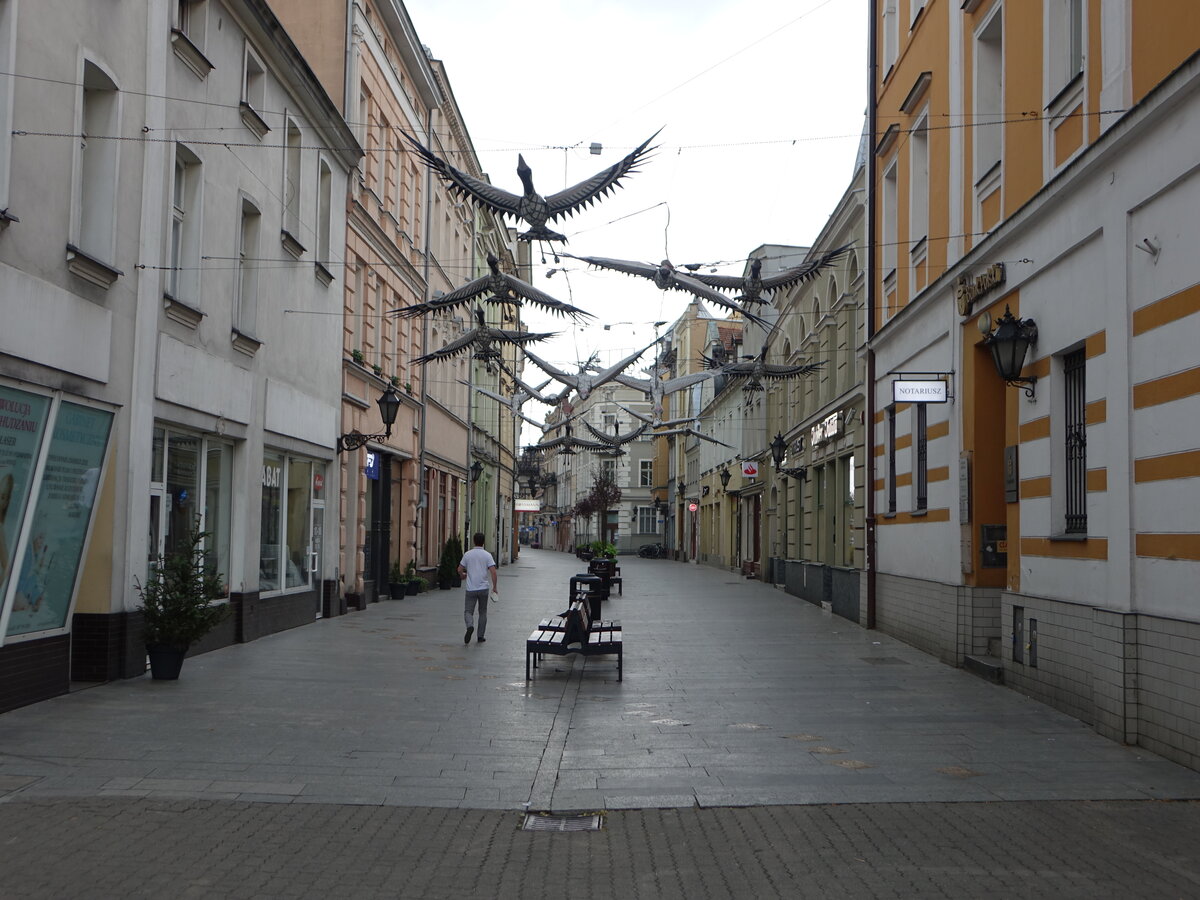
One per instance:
(270,478)
(967,289)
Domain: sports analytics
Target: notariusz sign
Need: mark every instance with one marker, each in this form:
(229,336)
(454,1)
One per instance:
(919,391)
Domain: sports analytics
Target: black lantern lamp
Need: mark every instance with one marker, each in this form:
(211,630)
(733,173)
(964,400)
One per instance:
(724,475)
(681,488)
(778,453)
(476,471)
(1009,343)
(389,405)
(659,506)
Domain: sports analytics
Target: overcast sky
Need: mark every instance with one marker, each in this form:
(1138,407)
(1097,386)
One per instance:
(762,105)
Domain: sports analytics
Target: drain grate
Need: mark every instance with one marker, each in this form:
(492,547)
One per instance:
(548,822)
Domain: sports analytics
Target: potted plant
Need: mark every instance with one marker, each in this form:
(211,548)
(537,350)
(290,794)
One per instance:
(603,549)
(177,605)
(457,555)
(447,566)
(410,578)
(422,584)
(358,356)
(396,586)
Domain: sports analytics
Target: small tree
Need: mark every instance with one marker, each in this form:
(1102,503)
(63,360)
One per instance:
(448,564)
(604,495)
(177,597)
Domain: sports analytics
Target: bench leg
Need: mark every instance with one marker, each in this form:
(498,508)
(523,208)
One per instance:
(620,663)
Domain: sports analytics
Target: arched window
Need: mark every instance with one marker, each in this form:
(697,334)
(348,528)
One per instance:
(852,268)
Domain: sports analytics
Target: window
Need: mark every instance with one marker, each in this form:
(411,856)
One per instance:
(915,8)
(98,165)
(190,20)
(918,206)
(921,477)
(291,180)
(254,85)
(191,485)
(324,212)
(891,35)
(989,95)
(1075,449)
(245,298)
(608,469)
(183,279)
(647,520)
(1065,44)
(292,522)
(891,459)
(8,33)
(888,237)
(646,473)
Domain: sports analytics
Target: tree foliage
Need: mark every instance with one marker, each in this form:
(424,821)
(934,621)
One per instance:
(177,598)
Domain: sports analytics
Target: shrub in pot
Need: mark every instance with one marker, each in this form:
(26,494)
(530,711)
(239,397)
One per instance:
(178,605)
(396,579)
(447,565)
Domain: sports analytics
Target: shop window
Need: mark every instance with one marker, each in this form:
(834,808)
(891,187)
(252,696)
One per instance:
(292,522)
(38,591)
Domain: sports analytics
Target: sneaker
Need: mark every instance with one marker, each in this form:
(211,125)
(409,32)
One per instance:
(481,641)
(470,631)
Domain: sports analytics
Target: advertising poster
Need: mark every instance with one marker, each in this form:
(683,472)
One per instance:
(70,481)
(22,422)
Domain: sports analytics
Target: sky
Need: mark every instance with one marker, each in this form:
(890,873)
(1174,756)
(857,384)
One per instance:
(761,105)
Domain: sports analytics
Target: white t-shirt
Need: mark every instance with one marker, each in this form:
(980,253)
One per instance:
(477,561)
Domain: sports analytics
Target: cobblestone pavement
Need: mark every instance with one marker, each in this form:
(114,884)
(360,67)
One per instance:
(757,746)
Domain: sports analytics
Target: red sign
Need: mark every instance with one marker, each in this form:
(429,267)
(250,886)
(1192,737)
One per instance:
(692,507)
(750,468)
(318,482)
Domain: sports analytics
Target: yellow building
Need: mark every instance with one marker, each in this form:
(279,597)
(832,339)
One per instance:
(1032,177)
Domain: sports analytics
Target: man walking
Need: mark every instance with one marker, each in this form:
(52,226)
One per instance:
(477,568)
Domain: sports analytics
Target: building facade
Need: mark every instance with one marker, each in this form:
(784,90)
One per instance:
(1040,530)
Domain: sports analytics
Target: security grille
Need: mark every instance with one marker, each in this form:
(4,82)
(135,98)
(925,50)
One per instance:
(1075,417)
(547,822)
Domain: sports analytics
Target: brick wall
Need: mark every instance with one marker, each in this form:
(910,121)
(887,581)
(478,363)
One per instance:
(918,612)
(1168,688)
(32,671)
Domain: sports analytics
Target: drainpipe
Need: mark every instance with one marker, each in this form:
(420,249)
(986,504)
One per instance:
(423,501)
(872,121)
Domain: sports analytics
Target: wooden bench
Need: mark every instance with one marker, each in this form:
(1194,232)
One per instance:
(574,632)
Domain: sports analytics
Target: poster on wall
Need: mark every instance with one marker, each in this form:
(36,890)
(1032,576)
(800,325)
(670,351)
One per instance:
(22,423)
(61,517)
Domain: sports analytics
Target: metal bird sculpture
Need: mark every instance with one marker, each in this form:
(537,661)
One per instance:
(531,206)
(519,398)
(583,382)
(667,277)
(692,429)
(483,339)
(566,443)
(751,287)
(495,287)
(756,368)
(613,443)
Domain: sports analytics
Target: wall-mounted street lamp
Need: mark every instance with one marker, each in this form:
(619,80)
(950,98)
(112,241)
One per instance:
(389,407)
(1009,343)
(724,476)
(476,471)
(681,489)
(778,452)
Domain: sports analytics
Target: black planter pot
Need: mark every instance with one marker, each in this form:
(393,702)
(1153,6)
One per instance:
(443,584)
(397,589)
(413,587)
(165,661)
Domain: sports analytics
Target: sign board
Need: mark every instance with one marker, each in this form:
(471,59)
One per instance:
(749,468)
(825,429)
(372,467)
(527,504)
(692,507)
(968,289)
(919,391)
(318,482)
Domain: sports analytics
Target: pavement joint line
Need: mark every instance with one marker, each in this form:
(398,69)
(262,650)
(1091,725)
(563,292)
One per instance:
(541,792)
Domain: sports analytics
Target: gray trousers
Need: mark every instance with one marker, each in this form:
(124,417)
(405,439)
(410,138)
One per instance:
(473,597)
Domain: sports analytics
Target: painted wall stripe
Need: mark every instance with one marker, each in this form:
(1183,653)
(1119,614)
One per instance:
(1167,467)
(1092,548)
(1167,310)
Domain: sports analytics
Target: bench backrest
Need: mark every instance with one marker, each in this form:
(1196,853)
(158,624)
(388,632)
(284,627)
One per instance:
(579,621)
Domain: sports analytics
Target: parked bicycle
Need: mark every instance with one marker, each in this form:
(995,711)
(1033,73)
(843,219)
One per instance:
(652,551)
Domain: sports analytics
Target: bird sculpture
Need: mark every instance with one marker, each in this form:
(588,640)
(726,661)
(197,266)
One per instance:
(523,394)
(750,288)
(666,277)
(584,382)
(495,287)
(530,206)
(483,339)
(514,407)
(691,424)
(566,443)
(756,368)
(656,388)
(613,444)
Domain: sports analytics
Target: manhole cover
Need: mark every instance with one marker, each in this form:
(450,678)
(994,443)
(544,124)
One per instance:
(884,660)
(547,822)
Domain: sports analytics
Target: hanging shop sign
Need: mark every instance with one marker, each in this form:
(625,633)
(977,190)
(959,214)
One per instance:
(919,391)
(371,469)
(968,289)
(749,468)
(526,504)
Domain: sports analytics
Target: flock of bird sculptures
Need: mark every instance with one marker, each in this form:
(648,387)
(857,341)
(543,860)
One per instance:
(497,287)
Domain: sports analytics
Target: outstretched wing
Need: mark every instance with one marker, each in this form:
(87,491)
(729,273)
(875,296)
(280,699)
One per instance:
(460,296)
(638,384)
(616,440)
(454,348)
(772,370)
(723,282)
(521,338)
(466,185)
(694,433)
(704,292)
(571,381)
(571,200)
(527,291)
(629,266)
(806,272)
(672,385)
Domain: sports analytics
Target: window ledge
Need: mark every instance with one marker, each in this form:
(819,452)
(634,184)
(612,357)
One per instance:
(181,312)
(290,244)
(323,274)
(916,513)
(91,269)
(252,120)
(1068,538)
(190,54)
(244,343)
(1066,96)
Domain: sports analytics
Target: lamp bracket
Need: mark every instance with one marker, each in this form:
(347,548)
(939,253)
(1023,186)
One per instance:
(1025,384)
(356,440)
(800,472)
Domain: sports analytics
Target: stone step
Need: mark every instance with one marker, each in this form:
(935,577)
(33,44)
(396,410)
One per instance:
(990,668)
